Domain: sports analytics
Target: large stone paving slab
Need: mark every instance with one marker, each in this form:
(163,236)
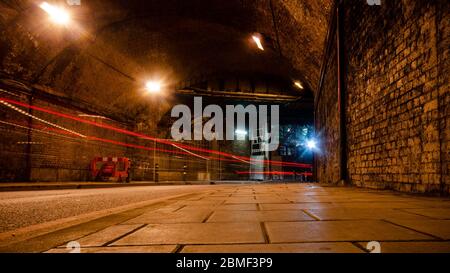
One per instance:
(259,216)
(275,248)
(238,207)
(202,202)
(373,205)
(429,204)
(438,213)
(106,235)
(196,208)
(361,213)
(299,199)
(361,230)
(194,216)
(296,206)
(439,228)
(204,233)
(248,200)
(345,198)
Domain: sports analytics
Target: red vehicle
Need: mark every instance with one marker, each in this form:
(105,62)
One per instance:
(111,169)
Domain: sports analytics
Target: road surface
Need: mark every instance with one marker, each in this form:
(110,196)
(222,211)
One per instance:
(27,208)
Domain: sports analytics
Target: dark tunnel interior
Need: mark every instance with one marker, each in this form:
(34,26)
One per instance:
(240,128)
(362,91)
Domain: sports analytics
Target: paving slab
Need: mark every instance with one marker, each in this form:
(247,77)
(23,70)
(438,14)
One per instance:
(361,213)
(239,200)
(203,233)
(373,205)
(438,228)
(187,216)
(196,208)
(438,213)
(275,248)
(201,202)
(344,198)
(296,206)
(300,199)
(106,235)
(362,230)
(214,198)
(429,204)
(170,208)
(237,207)
(259,216)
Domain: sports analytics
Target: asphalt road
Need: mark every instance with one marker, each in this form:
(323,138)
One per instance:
(26,208)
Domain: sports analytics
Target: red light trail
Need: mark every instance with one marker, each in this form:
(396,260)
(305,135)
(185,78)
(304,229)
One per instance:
(163,141)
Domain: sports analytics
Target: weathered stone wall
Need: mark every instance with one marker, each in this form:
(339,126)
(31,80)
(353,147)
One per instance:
(327,120)
(397,95)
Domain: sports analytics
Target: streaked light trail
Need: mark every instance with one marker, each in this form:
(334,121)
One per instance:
(163,141)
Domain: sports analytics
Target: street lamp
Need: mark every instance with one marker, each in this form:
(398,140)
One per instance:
(298,84)
(57,15)
(311,144)
(153,86)
(257,41)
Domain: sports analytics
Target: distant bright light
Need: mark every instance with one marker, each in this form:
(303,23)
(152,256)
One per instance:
(241,132)
(58,15)
(311,144)
(258,42)
(298,84)
(153,86)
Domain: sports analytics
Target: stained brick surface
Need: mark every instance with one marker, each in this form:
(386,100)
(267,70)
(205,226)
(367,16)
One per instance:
(397,97)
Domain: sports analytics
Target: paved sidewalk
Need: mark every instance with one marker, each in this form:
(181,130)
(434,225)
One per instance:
(269,218)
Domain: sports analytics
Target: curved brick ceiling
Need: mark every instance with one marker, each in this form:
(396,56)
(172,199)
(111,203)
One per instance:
(115,45)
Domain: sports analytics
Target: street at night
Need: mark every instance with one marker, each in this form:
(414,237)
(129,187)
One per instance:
(248,132)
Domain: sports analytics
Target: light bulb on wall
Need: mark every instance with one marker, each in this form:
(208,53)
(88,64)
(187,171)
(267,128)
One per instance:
(153,86)
(57,15)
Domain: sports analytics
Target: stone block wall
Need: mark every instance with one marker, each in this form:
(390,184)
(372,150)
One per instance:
(327,121)
(397,96)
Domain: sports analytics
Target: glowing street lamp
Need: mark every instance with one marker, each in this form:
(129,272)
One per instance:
(298,84)
(311,144)
(257,41)
(153,86)
(57,15)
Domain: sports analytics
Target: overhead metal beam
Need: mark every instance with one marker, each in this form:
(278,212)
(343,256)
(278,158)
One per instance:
(239,95)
